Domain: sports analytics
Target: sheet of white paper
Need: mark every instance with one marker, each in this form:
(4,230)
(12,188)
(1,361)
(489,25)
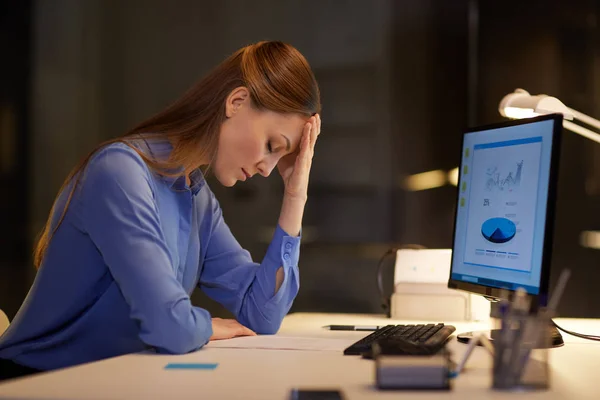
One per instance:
(282,343)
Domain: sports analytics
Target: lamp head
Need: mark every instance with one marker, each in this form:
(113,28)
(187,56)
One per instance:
(520,104)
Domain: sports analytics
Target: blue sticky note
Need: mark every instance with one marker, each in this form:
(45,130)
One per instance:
(190,366)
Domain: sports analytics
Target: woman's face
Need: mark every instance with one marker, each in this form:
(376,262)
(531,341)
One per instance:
(253,141)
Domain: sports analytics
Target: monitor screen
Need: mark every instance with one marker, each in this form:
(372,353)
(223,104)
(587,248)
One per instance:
(505,208)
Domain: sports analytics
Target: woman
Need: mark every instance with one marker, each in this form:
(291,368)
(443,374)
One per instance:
(135,228)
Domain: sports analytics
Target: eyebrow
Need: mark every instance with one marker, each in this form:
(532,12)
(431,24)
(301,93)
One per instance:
(288,145)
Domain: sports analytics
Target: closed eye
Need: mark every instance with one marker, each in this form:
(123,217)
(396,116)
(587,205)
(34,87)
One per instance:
(269,147)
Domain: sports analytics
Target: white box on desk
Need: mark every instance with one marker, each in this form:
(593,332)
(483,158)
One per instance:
(421,292)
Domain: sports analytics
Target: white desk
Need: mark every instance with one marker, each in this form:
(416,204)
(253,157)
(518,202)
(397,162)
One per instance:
(270,374)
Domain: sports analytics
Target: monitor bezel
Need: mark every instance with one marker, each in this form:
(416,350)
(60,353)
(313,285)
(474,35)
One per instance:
(494,293)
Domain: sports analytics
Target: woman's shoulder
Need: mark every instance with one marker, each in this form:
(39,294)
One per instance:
(117,160)
(118,150)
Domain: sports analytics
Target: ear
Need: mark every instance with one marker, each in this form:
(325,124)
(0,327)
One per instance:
(236,99)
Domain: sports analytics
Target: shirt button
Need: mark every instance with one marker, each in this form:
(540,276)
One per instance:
(286,256)
(288,246)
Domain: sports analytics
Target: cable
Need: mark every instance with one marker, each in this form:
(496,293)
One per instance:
(385,300)
(580,335)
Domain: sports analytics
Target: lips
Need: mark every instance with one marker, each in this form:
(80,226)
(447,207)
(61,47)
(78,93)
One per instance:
(247,174)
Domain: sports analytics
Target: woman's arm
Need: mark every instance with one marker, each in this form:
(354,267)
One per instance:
(295,171)
(247,289)
(290,220)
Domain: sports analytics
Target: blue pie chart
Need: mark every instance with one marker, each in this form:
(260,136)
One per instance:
(498,230)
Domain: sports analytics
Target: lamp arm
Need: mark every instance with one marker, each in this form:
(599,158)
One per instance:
(581,130)
(585,118)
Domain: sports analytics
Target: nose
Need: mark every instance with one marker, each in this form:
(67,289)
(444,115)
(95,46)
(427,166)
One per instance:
(265,167)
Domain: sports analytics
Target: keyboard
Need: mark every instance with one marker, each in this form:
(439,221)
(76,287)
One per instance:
(422,339)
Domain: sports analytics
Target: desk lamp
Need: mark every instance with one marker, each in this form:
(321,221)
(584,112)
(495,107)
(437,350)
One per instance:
(520,104)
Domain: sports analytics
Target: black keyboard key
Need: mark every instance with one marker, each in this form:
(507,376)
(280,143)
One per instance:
(412,329)
(364,344)
(430,332)
(440,336)
(403,329)
(417,334)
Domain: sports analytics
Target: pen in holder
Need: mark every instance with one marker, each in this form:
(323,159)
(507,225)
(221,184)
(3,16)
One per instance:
(521,352)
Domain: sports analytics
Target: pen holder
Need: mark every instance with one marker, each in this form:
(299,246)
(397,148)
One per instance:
(521,353)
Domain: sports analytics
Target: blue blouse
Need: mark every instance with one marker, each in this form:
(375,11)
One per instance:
(118,273)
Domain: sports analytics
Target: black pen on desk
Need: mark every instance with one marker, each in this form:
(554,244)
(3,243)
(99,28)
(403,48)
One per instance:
(352,327)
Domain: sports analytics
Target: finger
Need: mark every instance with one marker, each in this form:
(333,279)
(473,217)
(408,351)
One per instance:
(313,137)
(309,143)
(313,133)
(306,140)
(305,161)
(246,331)
(303,156)
(318,124)
(305,133)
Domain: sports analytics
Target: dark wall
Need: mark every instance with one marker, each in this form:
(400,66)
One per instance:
(15,234)
(430,110)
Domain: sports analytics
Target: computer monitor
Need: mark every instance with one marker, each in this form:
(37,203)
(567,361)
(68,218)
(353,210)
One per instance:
(505,209)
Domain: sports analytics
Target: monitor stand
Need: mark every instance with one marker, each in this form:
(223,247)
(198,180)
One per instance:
(557,340)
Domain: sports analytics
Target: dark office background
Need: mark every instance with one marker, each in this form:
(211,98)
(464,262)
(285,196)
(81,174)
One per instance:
(400,81)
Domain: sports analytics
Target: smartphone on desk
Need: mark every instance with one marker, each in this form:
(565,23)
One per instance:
(316,394)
